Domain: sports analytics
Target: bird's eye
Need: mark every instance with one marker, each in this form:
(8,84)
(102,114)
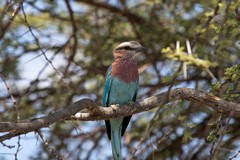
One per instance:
(127,48)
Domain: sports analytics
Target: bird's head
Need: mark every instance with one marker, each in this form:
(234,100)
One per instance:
(129,50)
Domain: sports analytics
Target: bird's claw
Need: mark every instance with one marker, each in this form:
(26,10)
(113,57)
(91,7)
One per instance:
(134,104)
(114,106)
(131,103)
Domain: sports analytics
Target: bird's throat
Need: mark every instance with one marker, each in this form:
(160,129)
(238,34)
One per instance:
(125,70)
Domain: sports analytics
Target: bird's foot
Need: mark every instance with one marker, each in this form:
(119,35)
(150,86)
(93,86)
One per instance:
(114,106)
(131,103)
(134,104)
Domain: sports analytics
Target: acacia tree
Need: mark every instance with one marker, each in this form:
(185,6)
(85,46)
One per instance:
(194,45)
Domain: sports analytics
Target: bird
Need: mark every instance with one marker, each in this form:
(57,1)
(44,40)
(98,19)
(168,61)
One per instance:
(121,87)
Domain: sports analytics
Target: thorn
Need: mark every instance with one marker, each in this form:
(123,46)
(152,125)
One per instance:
(177,47)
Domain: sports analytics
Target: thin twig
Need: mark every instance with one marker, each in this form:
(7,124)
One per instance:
(207,24)
(221,130)
(12,98)
(74,35)
(18,148)
(49,149)
(8,146)
(235,156)
(41,49)
(4,28)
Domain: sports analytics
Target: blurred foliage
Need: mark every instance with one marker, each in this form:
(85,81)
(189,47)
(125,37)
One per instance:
(229,88)
(74,46)
(189,59)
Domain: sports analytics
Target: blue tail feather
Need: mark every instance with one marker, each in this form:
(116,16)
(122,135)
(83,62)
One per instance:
(116,144)
(116,134)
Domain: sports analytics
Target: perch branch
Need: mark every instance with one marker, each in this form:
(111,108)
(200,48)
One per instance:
(97,112)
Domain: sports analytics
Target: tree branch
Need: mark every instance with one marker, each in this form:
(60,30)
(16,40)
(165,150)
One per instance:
(97,112)
(125,13)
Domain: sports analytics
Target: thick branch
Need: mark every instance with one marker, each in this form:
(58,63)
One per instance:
(101,113)
(126,13)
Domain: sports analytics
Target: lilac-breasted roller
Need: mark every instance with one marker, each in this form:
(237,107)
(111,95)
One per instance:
(121,87)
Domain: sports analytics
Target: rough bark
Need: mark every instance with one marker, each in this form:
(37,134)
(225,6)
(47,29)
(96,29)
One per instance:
(96,112)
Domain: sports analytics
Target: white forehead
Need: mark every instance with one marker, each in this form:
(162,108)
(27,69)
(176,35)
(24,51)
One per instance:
(131,44)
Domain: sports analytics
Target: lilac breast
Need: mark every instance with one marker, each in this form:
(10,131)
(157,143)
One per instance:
(125,70)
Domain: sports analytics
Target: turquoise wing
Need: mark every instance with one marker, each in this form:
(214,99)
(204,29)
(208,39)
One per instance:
(106,91)
(107,87)
(126,119)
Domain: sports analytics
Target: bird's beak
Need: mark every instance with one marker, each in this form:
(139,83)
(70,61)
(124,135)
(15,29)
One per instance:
(143,49)
(138,52)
